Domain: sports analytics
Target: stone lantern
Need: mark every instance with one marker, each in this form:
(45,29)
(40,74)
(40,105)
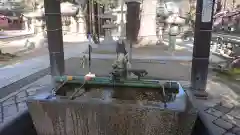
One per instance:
(25,23)
(69,12)
(132,19)
(120,12)
(108,25)
(81,26)
(34,21)
(131,28)
(174,22)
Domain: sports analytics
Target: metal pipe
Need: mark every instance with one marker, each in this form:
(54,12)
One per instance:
(105,81)
(89,57)
(2,112)
(130,53)
(225,3)
(99,22)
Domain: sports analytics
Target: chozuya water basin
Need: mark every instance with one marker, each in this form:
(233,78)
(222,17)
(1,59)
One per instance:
(108,111)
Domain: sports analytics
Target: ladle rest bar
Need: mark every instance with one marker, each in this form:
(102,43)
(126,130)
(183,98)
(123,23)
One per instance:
(106,81)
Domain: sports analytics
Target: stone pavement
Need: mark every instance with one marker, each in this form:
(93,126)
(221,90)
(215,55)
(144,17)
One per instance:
(10,33)
(13,46)
(16,45)
(13,41)
(171,70)
(73,67)
(10,108)
(176,70)
(188,45)
(34,71)
(220,112)
(17,71)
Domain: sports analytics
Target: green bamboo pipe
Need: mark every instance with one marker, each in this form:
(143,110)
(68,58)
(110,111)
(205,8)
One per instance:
(105,81)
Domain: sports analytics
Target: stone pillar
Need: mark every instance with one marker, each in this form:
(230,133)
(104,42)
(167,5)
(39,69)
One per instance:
(32,25)
(108,33)
(108,26)
(38,26)
(173,32)
(122,19)
(81,27)
(25,23)
(73,25)
(133,6)
(238,25)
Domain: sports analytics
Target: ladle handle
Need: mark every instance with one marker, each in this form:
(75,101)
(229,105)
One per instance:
(89,57)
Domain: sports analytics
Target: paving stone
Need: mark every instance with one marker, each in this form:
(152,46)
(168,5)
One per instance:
(32,92)
(1,120)
(9,118)
(21,94)
(236,130)
(9,110)
(22,106)
(231,119)
(227,104)
(214,112)
(223,124)
(8,102)
(221,108)
(23,99)
(209,119)
(33,89)
(217,130)
(235,113)
(229,134)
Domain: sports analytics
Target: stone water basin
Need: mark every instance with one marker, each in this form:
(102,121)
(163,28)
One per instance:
(132,96)
(108,111)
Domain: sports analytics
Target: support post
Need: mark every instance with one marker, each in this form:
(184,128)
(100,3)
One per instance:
(133,8)
(122,22)
(133,20)
(201,49)
(99,21)
(54,35)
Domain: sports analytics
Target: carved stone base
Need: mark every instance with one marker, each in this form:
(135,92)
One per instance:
(201,94)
